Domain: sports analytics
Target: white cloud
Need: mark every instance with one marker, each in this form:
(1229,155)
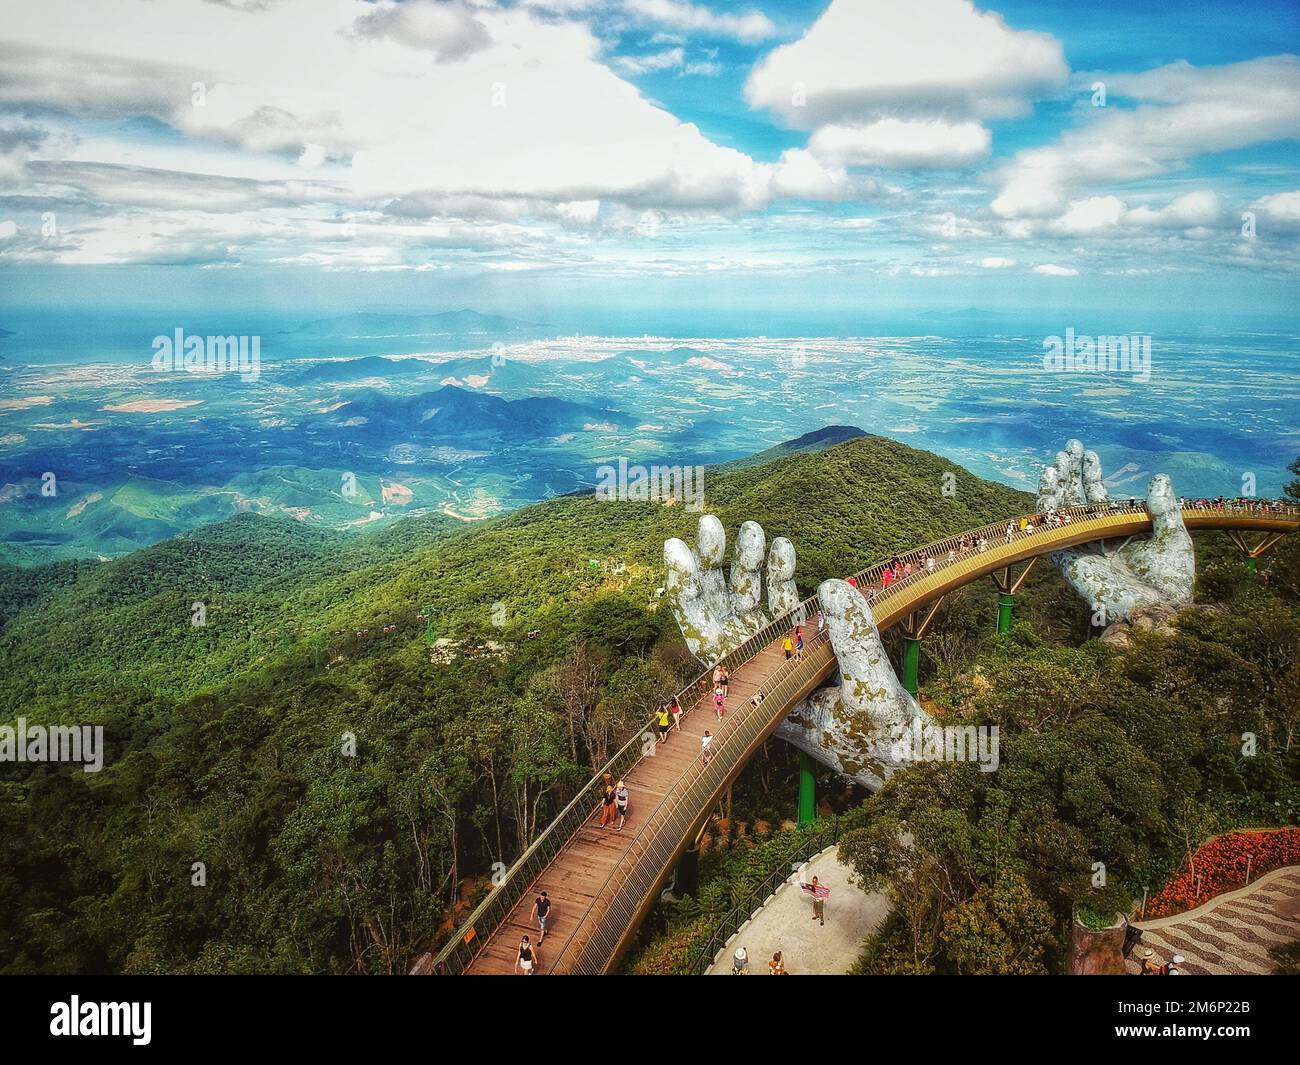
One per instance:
(994,262)
(1183,112)
(902,144)
(1089,216)
(667,59)
(1281,210)
(1195,209)
(1052,270)
(402,122)
(748,27)
(874,58)
(801,175)
(446,28)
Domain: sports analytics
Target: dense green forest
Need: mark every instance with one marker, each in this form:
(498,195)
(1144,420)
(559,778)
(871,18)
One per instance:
(347,791)
(226,740)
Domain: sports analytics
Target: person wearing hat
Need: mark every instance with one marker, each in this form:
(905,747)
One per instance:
(1150,967)
(621,795)
(740,962)
(1172,968)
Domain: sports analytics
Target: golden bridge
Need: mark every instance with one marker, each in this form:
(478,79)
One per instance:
(602,882)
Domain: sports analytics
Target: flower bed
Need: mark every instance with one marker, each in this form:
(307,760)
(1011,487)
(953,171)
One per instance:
(1221,865)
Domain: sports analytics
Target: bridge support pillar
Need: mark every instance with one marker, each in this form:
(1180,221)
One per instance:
(807,789)
(1006,604)
(911,664)
(686,877)
(1253,553)
(915,626)
(1007,587)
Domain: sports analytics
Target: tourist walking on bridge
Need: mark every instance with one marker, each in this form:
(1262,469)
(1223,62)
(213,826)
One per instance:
(720,701)
(676,712)
(706,747)
(621,796)
(661,722)
(541,908)
(527,958)
(607,807)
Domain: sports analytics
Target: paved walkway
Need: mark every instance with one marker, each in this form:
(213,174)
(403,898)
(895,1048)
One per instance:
(785,923)
(1233,932)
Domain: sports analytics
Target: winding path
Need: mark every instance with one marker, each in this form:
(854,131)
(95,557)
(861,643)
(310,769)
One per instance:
(1233,933)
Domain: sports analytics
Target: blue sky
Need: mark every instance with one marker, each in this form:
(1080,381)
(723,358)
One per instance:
(629,165)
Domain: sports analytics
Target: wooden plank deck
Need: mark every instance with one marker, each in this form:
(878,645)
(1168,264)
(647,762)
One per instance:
(579,872)
(582,867)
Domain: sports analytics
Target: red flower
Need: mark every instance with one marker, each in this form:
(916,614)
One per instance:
(1221,864)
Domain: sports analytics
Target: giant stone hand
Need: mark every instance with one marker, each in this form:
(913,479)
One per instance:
(854,725)
(715,617)
(1135,574)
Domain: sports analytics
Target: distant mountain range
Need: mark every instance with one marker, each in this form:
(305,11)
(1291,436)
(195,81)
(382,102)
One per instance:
(455,412)
(372,324)
(482,373)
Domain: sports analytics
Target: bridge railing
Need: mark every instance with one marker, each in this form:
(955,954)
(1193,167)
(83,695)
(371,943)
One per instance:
(474,932)
(954,549)
(809,844)
(611,912)
(492,912)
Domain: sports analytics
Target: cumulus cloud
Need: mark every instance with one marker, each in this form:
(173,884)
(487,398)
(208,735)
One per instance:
(1181,112)
(865,58)
(1052,270)
(1089,215)
(446,28)
(482,115)
(1281,211)
(903,144)
(799,174)
(1195,209)
(995,262)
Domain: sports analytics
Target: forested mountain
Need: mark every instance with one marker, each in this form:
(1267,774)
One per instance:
(228,741)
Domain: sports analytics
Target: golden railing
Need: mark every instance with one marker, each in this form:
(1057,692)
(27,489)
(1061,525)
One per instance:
(957,560)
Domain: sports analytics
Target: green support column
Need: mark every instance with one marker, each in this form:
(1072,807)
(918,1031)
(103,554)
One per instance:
(1250,565)
(807,789)
(911,663)
(1005,603)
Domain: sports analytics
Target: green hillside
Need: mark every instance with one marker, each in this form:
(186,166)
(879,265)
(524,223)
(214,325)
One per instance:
(269,583)
(346,793)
